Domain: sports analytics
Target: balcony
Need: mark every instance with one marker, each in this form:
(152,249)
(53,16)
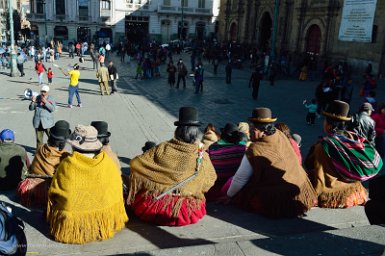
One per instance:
(36,16)
(105,13)
(135,7)
(83,18)
(168,9)
(61,17)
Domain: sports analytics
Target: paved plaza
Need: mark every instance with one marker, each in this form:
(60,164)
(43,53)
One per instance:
(146,110)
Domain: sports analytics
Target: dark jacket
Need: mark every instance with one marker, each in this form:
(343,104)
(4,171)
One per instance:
(113,71)
(13,165)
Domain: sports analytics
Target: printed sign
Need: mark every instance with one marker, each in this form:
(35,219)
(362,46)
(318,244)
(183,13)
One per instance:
(357,21)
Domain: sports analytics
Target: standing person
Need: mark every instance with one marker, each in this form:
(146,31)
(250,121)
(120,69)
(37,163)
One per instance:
(102,75)
(113,72)
(73,87)
(122,53)
(77,46)
(216,64)
(95,58)
(272,72)
(182,72)
(255,81)
(50,76)
(199,78)
(14,161)
(101,59)
(228,70)
(379,119)
(312,108)
(108,49)
(366,125)
(171,70)
(266,182)
(44,106)
(20,63)
(71,50)
(40,68)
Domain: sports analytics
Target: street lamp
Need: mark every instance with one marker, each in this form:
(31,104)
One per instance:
(13,54)
(227,13)
(240,12)
(182,22)
(45,21)
(275,25)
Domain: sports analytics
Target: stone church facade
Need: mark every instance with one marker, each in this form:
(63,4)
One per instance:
(303,27)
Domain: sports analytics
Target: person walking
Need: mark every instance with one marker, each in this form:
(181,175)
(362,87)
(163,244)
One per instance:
(50,76)
(40,68)
(255,81)
(171,70)
(73,88)
(199,78)
(113,72)
(102,75)
(20,63)
(44,106)
(182,72)
(229,70)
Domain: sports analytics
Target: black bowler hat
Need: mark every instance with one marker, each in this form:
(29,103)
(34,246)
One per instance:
(188,116)
(60,131)
(148,145)
(262,115)
(102,128)
(230,129)
(337,110)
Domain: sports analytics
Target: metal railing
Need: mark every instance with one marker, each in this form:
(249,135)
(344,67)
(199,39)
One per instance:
(168,9)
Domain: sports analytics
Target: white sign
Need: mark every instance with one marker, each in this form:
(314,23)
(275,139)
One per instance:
(357,20)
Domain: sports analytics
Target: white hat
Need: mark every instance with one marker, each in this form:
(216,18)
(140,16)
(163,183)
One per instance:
(45,88)
(85,138)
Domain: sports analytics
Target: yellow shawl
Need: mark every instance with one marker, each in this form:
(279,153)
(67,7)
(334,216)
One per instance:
(168,164)
(46,160)
(85,200)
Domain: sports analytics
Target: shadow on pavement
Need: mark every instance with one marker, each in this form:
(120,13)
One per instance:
(82,90)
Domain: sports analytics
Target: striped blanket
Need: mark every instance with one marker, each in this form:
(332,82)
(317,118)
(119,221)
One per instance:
(355,159)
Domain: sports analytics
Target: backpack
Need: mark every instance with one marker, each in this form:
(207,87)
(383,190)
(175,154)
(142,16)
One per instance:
(12,236)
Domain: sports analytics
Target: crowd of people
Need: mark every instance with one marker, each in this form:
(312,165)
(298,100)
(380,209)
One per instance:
(255,165)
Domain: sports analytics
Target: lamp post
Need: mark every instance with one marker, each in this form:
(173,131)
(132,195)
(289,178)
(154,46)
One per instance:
(240,12)
(45,21)
(182,22)
(275,25)
(13,53)
(227,13)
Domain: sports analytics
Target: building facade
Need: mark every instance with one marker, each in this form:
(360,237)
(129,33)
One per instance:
(302,27)
(114,21)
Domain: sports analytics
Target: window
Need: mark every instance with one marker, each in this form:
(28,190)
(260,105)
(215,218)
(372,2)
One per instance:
(167,2)
(201,4)
(184,3)
(105,4)
(60,7)
(83,8)
(40,6)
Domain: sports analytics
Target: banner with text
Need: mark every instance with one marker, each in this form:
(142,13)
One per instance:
(357,20)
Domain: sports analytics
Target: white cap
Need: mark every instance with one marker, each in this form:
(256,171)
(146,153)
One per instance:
(45,88)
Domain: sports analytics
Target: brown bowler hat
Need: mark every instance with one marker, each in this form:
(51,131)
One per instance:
(337,110)
(262,115)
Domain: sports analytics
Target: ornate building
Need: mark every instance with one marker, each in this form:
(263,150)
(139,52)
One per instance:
(303,27)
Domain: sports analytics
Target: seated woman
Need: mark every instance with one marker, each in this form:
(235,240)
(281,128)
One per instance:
(33,190)
(286,130)
(339,161)
(226,155)
(78,210)
(168,182)
(210,136)
(270,179)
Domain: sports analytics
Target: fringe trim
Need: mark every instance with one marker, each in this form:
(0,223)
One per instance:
(283,204)
(339,198)
(82,227)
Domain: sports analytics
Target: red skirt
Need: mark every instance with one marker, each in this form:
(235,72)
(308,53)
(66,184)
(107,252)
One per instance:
(159,212)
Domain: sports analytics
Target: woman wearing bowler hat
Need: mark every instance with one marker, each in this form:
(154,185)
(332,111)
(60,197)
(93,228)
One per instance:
(168,182)
(270,180)
(340,161)
(33,190)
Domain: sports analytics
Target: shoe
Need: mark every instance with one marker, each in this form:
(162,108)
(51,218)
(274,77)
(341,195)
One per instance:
(80,105)
(69,106)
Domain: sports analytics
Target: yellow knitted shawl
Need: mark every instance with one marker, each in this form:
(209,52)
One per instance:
(85,200)
(46,160)
(168,164)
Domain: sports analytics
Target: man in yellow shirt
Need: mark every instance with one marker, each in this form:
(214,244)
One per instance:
(73,88)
